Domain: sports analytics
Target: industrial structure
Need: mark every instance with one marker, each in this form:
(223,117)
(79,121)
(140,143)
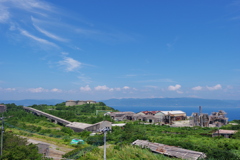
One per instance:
(216,119)
(75,126)
(79,102)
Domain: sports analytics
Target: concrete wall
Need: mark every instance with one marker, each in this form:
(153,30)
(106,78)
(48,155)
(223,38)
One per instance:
(71,103)
(74,103)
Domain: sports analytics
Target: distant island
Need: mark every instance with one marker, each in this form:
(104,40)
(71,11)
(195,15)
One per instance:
(141,102)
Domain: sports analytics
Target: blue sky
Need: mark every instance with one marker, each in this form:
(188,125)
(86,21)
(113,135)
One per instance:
(106,49)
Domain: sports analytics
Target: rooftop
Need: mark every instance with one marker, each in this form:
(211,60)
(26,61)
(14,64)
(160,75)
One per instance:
(78,125)
(221,131)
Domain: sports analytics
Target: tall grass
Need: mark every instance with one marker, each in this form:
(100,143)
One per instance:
(126,152)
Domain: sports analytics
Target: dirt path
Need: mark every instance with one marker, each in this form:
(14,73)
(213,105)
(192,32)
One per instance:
(54,150)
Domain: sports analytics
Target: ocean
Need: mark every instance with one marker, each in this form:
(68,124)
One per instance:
(233,113)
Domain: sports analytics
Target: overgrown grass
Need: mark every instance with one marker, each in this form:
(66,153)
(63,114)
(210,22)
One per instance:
(126,152)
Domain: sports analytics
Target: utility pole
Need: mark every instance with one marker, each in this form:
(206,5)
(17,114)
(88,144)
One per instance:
(2,131)
(105,130)
(105,147)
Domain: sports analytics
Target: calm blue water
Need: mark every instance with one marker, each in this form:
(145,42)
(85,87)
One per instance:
(232,112)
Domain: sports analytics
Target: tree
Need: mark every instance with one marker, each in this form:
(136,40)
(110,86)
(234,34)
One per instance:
(15,147)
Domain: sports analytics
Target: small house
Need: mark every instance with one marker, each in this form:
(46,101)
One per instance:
(225,133)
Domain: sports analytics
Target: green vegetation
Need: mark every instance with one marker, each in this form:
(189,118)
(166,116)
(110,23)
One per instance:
(193,138)
(81,113)
(16,148)
(125,152)
(120,138)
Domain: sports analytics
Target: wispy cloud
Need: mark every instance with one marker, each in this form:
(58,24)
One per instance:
(197,88)
(10,89)
(37,90)
(70,64)
(216,87)
(171,44)
(43,41)
(154,87)
(47,33)
(4,14)
(101,88)
(106,88)
(86,88)
(56,90)
(85,79)
(157,80)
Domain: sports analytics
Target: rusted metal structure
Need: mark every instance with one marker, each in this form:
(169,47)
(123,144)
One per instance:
(170,150)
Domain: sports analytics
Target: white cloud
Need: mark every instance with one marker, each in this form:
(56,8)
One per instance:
(103,88)
(197,88)
(43,41)
(10,89)
(37,90)
(64,53)
(154,87)
(4,14)
(56,90)
(86,88)
(70,64)
(85,79)
(174,88)
(180,92)
(31,5)
(118,89)
(126,87)
(217,87)
(48,34)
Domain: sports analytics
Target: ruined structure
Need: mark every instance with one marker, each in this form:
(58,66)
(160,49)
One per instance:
(225,133)
(75,126)
(3,108)
(149,116)
(216,119)
(79,102)
(171,151)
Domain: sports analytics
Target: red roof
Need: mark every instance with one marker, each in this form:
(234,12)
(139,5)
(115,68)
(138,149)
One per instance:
(150,112)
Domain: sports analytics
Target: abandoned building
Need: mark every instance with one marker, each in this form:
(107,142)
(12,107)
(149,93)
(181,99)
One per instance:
(224,133)
(79,102)
(146,118)
(79,127)
(169,116)
(216,119)
(171,151)
(3,108)
(120,116)
(149,116)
